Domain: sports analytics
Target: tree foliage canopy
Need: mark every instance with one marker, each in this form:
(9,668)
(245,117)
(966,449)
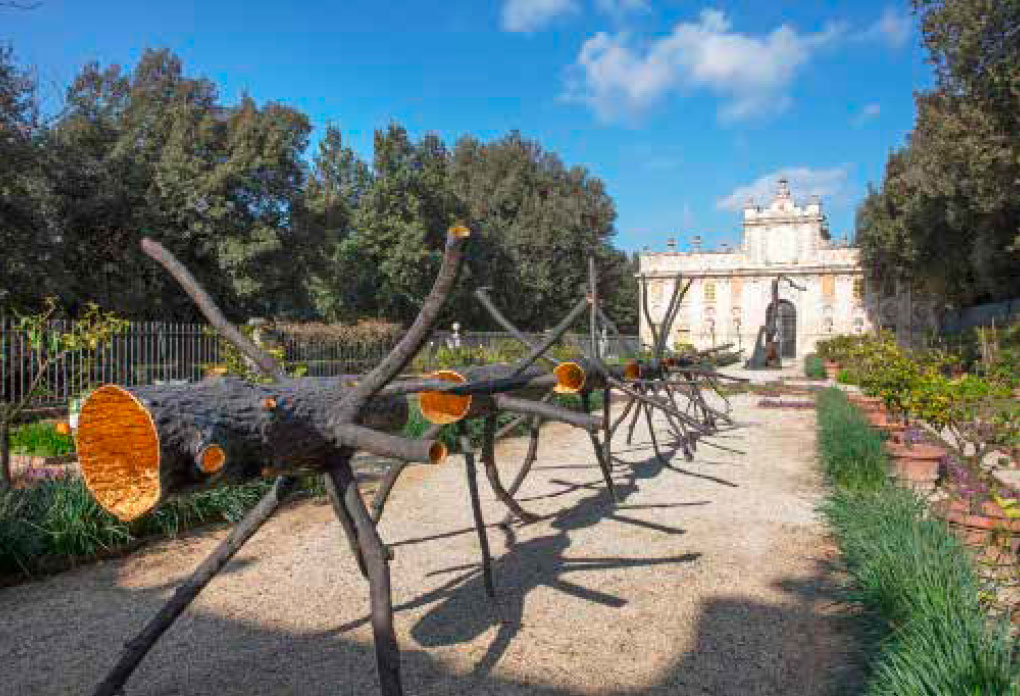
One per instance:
(152,151)
(947,214)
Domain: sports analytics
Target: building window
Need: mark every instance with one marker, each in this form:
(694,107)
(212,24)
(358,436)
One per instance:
(709,292)
(828,286)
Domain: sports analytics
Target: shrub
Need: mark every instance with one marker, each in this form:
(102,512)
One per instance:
(40,438)
(459,356)
(814,368)
(564,352)
(909,571)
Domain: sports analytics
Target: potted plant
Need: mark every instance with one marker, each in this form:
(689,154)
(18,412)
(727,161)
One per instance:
(974,419)
(984,515)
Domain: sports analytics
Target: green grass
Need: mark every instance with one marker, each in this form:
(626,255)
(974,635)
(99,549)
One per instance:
(41,439)
(850,449)
(58,521)
(814,368)
(909,572)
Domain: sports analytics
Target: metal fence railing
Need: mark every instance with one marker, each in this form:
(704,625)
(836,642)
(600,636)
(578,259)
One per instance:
(155,352)
(144,353)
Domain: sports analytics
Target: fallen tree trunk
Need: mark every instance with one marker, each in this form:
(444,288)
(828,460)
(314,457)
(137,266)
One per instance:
(138,446)
(443,408)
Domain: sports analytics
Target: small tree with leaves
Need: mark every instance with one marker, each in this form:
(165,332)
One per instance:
(51,347)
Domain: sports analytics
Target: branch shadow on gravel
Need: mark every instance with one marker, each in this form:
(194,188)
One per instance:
(742,647)
(809,644)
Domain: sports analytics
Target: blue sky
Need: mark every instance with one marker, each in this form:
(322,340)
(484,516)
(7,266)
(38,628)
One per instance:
(683,108)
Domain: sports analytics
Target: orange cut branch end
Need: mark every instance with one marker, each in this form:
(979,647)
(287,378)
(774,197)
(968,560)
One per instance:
(443,409)
(211,459)
(632,370)
(118,450)
(437,453)
(570,378)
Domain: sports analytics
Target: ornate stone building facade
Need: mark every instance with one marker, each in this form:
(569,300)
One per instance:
(731,288)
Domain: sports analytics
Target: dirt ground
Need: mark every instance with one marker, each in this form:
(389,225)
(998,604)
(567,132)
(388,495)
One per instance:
(708,577)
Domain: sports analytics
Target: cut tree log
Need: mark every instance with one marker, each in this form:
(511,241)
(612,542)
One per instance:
(139,445)
(443,408)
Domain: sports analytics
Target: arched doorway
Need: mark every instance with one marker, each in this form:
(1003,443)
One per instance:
(787,327)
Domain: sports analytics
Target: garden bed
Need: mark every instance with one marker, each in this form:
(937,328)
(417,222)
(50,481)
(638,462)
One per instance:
(910,573)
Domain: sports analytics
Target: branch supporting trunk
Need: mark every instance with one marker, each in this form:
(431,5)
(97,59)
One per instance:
(382,494)
(492,473)
(604,466)
(377,565)
(476,507)
(137,648)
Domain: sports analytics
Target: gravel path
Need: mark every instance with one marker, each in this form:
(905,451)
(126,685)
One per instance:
(710,577)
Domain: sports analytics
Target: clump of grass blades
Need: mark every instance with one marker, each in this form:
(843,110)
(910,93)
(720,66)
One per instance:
(910,572)
(60,519)
(850,449)
(814,368)
(41,439)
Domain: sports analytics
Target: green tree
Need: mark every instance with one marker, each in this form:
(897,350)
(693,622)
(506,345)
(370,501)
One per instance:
(154,152)
(338,277)
(537,222)
(948,213)
(22,188)
(400,225)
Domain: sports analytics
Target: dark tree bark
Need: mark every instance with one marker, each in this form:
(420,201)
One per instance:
(136,649)
(139,445)
(492,473)
(476,507)
(377,565)
(198,439)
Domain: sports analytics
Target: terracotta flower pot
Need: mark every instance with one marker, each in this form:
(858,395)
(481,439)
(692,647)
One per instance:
(831,369)
(993,537)
(916,466)
(868,403)
(895,430)
(878,417)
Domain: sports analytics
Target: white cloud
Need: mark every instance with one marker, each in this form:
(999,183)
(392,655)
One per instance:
(868,112)
(531,15)
(831,184)
(893,27)
(752,74)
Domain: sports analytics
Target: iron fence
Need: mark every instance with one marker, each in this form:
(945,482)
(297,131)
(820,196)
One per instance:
(144,353)
(158,352)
